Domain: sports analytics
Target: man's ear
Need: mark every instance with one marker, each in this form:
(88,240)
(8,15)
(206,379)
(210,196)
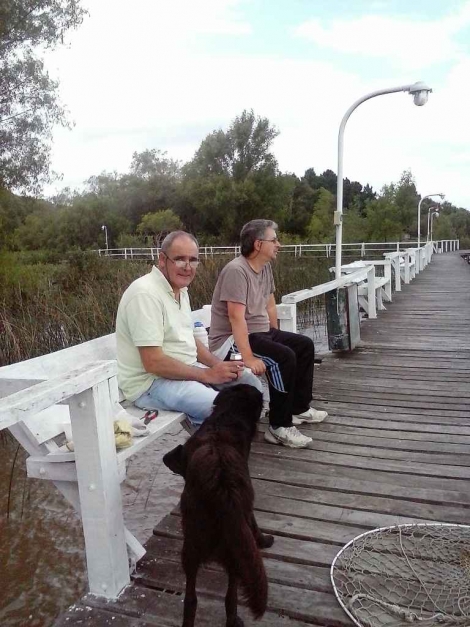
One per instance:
(175,460)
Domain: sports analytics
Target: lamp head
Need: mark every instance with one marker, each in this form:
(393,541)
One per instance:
(420,92)
(103,227)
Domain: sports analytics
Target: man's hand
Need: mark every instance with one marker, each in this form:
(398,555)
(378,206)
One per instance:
(223,372)
(256,365)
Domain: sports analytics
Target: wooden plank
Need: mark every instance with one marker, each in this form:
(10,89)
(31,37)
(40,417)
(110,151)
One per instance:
(397,507)
(382,452)
(30,401)
(301,474)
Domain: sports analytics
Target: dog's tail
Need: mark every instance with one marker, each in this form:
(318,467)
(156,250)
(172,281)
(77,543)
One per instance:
(223,483)
(249,564)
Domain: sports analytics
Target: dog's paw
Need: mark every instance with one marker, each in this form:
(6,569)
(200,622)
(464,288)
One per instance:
(237,622)
(264,541)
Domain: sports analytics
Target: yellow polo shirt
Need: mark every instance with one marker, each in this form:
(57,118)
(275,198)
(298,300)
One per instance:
(149,315)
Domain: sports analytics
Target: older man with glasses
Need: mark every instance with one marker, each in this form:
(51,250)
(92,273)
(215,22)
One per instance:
(244,320)
(160,363)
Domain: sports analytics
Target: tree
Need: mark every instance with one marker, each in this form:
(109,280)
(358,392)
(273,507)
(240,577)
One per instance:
(29,103)
(238,152)
(159,222)
(320,228)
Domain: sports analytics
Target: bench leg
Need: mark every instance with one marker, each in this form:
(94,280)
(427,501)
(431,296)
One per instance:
(99,488)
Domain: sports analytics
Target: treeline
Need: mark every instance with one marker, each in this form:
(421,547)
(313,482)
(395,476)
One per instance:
(233,177)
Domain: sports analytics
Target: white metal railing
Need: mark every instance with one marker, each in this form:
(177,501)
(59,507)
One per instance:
(91,392)
(362,249)
(406,265)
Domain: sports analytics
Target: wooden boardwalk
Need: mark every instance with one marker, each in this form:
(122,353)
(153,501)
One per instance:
(395,449)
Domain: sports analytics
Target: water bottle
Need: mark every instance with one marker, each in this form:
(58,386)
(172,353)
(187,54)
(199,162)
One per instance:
(200,333)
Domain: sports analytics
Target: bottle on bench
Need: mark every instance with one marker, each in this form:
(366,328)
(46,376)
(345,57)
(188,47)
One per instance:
(200,333)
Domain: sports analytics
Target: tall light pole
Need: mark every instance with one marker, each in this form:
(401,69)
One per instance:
(105,229)
(433,215)
(435,209)
(420,92)
(442,196)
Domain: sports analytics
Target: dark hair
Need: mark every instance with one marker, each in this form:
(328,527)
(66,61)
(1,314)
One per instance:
(170,238)
(253,230)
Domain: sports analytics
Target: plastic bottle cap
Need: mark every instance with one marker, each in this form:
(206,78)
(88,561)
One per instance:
(198,324)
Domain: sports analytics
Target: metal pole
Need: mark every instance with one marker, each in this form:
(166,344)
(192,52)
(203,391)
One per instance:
(338,218)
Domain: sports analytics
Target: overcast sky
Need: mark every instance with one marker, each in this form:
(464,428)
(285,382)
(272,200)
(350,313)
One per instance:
(164,73)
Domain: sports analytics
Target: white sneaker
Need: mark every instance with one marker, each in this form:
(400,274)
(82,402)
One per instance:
(288,436)
(309,416)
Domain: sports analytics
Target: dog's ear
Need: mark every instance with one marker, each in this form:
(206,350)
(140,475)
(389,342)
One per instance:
(175,460)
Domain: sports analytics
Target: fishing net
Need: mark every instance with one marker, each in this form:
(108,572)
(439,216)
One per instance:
(406,574)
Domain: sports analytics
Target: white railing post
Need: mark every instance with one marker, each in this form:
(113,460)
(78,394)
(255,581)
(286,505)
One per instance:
(363,250)
(372,313)
(91,415)
(407,258)
(388,276)
(287,316)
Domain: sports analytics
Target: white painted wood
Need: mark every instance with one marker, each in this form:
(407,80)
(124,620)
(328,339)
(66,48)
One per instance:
(371,293)
(287,316)
(26,403)
(297,297)
(387,288)
(100,495)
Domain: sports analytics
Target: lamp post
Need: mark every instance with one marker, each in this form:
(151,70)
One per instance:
(105,229)
(442,196)
(433,215)
(435,209)
(420,92)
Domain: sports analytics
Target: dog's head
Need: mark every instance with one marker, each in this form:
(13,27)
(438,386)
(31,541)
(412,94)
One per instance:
(244,400)
(176,460)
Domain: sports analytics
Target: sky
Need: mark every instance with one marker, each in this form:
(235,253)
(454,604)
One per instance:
(163,74)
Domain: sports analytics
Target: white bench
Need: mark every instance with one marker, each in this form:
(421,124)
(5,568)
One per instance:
(78,385)
(372,289)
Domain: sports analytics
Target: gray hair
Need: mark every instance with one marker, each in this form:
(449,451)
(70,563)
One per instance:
(253,230)
(170,238)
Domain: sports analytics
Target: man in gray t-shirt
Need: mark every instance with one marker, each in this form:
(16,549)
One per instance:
(244,320)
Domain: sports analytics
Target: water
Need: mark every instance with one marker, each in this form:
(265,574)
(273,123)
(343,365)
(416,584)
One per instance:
(42,551)
(42,562)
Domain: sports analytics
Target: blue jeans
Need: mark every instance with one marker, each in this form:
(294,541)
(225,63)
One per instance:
(189,397)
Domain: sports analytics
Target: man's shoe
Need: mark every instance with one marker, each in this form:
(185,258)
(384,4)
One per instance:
(287,436)
(310,416)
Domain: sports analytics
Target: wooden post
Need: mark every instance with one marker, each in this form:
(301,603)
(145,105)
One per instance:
(388,276)
(100,494)
(372,308)
(287,316)
(397,261)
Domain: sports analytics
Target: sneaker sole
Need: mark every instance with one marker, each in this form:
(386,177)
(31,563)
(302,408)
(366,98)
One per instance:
(269,437)
(308,421)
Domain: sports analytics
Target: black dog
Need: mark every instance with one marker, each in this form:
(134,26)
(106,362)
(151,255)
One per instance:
(217,503)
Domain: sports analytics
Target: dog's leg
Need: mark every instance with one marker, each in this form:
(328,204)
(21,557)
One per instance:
(190,566)
(263,540)
(231,602)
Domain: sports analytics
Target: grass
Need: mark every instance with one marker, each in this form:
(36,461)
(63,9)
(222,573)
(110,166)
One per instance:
(45,307)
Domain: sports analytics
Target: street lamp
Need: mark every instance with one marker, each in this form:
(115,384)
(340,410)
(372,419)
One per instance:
(420,92)
(435,209)
(419,213)
(433,215)
(105,229)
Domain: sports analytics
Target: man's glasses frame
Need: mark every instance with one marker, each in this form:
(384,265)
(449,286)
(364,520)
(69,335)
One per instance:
(180,263)
(274,240)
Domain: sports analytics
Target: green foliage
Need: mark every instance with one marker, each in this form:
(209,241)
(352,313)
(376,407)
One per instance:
(29,104)
(320,228)
(154,223)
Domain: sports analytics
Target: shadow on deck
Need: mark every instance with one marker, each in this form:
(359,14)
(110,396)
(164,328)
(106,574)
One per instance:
(394,449)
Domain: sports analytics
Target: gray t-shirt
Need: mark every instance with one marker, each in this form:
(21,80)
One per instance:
(239,283)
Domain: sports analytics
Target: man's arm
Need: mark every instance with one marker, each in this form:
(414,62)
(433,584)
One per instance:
(156,362)
(236,314)
(204,356)
(272,312)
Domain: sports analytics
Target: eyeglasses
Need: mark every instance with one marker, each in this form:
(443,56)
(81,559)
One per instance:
(181,263)
(275,240)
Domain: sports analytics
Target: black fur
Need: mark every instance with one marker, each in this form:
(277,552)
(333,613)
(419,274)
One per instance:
(217,503)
